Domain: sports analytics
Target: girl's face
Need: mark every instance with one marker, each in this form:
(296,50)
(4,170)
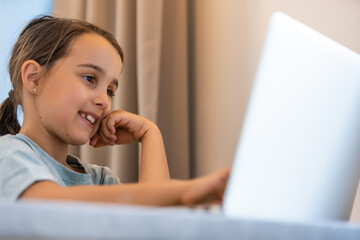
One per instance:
(77,92)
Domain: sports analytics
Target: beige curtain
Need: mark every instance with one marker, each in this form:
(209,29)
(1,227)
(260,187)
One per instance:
(153,35)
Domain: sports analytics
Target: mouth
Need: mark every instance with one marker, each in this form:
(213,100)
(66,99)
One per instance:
(89,118)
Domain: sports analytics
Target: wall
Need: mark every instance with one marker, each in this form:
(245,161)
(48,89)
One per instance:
(14,16)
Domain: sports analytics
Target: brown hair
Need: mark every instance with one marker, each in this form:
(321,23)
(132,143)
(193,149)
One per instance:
(44,40)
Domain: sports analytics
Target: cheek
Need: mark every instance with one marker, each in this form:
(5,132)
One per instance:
(107,111)
(95,130)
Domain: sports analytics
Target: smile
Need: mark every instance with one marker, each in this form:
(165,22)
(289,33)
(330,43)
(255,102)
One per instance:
(90,118)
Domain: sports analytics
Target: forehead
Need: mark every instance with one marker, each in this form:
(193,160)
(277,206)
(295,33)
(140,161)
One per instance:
(95,49)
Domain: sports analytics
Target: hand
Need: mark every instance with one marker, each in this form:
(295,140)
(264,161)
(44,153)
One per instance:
(207,190)
(121,127)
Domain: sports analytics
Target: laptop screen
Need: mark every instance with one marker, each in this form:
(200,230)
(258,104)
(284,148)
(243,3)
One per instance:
(298,157)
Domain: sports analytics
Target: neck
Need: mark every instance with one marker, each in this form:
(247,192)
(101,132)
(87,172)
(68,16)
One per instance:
(56,148)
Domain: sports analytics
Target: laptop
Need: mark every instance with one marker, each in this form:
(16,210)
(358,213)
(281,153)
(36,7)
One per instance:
(298,156)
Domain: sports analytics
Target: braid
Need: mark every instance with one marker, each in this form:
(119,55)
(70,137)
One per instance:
(8,116)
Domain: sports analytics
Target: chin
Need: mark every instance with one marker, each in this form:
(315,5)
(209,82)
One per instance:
(78,143)
(78,140)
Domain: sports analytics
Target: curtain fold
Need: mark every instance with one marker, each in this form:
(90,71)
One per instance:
(152,82)
(148,44)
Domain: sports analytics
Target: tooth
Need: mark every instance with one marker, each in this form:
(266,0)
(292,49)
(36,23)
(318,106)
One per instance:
(90,118)
(82,114)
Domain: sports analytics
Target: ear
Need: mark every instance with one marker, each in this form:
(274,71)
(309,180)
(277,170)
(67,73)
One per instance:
(30,74)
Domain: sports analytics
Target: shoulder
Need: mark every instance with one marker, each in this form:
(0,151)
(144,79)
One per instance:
(20,151)
(14,144)
(12,140)
(20,166)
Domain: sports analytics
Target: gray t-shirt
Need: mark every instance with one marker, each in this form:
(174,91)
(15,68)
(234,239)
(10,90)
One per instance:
(23,162)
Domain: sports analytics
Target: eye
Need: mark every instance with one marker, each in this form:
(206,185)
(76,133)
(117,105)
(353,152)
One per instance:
(110,93)
(89,78)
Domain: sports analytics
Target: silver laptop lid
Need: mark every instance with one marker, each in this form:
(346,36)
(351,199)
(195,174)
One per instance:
(298,155)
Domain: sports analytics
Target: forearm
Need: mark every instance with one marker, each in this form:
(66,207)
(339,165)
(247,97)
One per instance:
(154,166)
(209,189)
(167,193)
(120,127)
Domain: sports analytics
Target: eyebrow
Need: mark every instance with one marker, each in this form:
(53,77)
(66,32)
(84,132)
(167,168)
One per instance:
(100,70)
(95,67)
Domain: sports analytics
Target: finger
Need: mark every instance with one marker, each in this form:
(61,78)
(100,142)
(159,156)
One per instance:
(105,140)
(94,139)
(112,122)
(100,143)
(106,131)
(222,178)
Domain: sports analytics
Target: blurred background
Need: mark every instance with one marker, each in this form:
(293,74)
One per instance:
(189,66)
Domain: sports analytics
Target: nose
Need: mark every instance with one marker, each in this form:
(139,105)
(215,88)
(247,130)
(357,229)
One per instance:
(102,100)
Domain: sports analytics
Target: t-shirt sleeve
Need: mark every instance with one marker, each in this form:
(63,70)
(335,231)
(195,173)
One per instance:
(19,169)
(109,177)
(101,175)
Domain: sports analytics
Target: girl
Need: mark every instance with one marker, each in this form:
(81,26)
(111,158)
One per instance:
(64,73)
